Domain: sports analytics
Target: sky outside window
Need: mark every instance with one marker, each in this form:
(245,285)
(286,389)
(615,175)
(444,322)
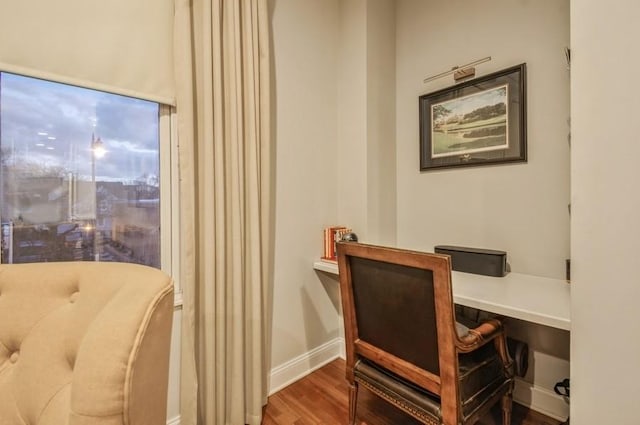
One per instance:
(51,124)
(60,200)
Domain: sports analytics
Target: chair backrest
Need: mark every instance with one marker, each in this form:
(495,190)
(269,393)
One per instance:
(84,343)
(398,312)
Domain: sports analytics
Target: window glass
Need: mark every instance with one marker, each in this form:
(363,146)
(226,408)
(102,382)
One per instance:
(80,174)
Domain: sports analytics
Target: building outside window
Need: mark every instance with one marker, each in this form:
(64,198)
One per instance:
(80,174)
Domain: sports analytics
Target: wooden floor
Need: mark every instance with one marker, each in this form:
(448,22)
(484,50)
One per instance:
(322,398)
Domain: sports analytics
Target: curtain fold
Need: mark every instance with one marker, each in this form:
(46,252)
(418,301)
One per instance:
(223,106)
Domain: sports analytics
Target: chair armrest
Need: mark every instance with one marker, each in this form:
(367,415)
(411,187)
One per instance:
(480,335)
(490,330)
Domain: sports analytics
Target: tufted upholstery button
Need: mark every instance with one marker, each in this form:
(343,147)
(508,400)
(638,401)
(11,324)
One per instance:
(14,356)
(74,297)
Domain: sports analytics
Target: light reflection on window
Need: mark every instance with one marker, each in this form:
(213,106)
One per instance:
(79,174)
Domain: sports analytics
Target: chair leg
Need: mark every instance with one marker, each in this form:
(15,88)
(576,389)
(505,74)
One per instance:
(507,405)
(353,400)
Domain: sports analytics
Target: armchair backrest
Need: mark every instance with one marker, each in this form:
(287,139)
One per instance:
(84,343)
(398,313)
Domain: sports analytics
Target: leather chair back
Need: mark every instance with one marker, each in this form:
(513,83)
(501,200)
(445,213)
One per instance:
(395,310)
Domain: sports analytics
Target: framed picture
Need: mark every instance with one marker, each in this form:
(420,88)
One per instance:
(478,122)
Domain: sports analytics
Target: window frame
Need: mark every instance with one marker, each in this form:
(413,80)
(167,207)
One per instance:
(169,197)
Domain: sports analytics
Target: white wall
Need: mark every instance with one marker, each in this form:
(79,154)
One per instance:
(519,208)
(305,50)
(606,203)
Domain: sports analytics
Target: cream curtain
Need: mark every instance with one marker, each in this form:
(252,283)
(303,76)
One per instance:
(222,91)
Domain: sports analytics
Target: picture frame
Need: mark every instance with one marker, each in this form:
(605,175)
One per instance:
(478,122)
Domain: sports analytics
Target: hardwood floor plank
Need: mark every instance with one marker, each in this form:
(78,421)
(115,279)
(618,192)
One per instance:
(322,398)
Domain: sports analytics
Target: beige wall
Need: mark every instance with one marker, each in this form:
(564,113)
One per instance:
(362,62)
(521,208)
(305,50)
(335,129)
(352,116)
(366,119)
(381,122)
(604,226)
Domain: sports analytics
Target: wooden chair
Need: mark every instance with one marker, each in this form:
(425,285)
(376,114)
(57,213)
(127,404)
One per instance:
(403,342)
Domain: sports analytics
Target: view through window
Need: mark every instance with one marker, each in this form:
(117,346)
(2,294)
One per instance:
(80,174)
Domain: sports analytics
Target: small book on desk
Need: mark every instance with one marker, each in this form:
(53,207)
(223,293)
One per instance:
(332,235)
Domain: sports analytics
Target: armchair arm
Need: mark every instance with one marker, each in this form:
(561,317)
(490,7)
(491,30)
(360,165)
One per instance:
(121,370)
(490,330)
(480,335)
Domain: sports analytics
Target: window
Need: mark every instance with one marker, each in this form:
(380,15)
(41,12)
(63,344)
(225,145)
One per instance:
(81,175)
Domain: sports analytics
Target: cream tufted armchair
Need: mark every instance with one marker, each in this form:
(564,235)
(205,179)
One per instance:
(84,344)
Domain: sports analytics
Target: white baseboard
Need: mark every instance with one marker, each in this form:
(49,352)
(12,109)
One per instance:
(174,421)
(541,400)
(299,367)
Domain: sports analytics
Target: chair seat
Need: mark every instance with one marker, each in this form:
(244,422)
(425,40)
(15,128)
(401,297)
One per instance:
(410,398)
(482,378)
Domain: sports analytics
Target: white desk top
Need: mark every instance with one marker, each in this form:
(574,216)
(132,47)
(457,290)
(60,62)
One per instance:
(534,299)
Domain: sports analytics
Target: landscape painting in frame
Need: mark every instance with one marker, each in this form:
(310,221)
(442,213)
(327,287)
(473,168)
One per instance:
(469,124)
(477,122)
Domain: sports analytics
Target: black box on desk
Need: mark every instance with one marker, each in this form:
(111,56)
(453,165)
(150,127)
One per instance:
(486,262)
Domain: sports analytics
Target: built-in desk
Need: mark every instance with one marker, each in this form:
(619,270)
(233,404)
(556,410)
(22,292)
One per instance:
(531,298)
